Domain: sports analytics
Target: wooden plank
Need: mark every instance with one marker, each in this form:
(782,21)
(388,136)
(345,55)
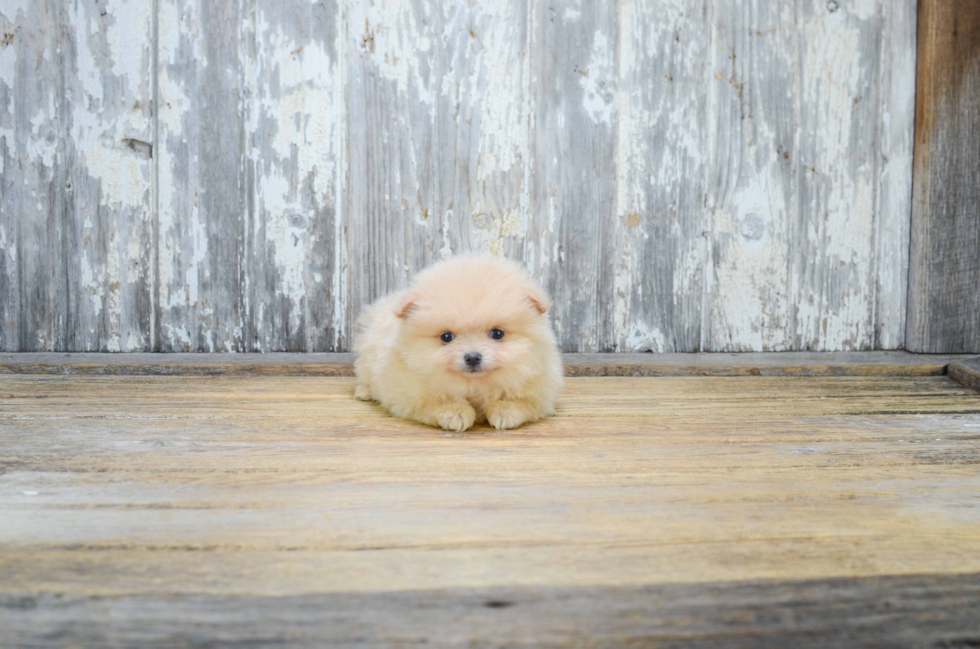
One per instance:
(915,611)
(658,242)
(294,243)
(75,149)
(298,364)
(438,137)
(333,364)
(574,117)
(944,270)
(204,189)
(759,364)
(805,245)
(12,181)
(822,508)
(752,175)
(893,202)
(108,84)
(36,250)
(967,372)
(833,279)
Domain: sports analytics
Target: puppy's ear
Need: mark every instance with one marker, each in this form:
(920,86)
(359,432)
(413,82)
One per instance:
(407,306)
(538,301)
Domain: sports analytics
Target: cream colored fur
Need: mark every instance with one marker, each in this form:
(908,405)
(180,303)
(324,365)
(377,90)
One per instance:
(403,364)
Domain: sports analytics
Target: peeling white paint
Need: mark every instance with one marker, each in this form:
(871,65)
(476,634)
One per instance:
(340,275)
(304,120)
(862,9)
(599,81)
(43,145)
(752,270)
(128,52)
(385,38)
(15,9)
(176,20)
(794,251)
(645,339)
(494,230)
(87,70)
(894,192)
(840,215)
(93,281)
(178,337)
(8,74)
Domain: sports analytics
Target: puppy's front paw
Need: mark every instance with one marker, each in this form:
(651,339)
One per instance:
(362,392)
(506,414)
(456,417)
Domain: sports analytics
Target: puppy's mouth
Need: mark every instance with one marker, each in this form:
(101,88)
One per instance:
(475,371)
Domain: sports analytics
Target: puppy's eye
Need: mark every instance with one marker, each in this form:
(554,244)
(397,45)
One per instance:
(447,337)
(496,334)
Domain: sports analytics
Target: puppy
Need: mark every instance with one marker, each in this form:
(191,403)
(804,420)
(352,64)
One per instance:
(467,342)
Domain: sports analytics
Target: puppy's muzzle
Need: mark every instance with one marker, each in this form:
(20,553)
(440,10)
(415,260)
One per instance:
(473,361)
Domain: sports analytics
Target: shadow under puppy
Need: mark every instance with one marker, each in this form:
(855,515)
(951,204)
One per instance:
(467,342)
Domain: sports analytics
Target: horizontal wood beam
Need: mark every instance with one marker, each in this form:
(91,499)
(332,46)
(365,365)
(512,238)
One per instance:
(966,372)
(902,611)
(895,363)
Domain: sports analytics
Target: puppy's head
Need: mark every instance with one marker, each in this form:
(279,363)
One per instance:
(472,320)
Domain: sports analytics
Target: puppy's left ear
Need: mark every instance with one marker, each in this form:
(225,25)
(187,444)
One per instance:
(538,301)
(407,306)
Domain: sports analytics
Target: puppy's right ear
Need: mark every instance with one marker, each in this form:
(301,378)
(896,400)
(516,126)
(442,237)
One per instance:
(538,301)
(407,306)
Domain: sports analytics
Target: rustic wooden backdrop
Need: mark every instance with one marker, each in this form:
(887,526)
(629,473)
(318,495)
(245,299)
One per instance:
(683,175)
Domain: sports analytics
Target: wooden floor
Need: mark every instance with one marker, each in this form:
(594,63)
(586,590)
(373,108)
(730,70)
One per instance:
(188,511)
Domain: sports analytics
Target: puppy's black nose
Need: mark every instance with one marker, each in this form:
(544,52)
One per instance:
(472,359)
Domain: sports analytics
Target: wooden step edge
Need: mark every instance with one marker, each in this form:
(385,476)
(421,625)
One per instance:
(967,372)
(890,363)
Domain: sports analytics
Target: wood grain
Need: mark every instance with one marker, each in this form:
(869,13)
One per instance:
(893,199)
(108,219)
(333,364)
(203,189)
(752,175)
(574,117)
(725,175)
(438,132)
(917,611)
(833,266)
(35,250)
(793,264)
(658,249)
(295,248)
(272,499)
(967,372)
(944,268)
(75,159)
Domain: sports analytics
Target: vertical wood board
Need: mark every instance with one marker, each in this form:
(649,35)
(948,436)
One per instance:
(944,264)
(76,139)
(295,282)
(203,187)
(438,137)
(574,118)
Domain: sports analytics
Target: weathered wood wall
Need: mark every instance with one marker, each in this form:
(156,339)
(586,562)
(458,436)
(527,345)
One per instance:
(713,175)
(944,275)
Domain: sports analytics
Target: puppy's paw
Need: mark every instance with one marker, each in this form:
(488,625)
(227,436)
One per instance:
(506,414)
(362,392)
(456,417)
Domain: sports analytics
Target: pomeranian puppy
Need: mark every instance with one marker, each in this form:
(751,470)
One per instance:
(467,342)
